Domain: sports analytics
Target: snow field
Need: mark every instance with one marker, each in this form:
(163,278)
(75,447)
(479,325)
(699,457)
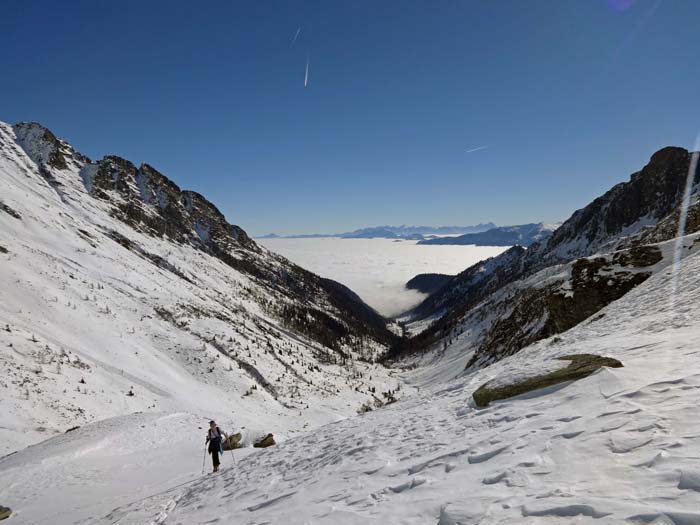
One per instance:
(620,446)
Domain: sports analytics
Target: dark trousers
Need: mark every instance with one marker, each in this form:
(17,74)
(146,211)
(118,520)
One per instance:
(214,451)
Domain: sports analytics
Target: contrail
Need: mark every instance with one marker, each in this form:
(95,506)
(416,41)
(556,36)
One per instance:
(306,75)
(478,149)
(296,35)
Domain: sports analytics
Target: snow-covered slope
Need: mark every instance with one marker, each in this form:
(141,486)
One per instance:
(619,447)
(113,281)
(499,303)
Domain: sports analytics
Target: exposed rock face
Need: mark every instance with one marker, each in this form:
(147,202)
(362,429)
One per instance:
(152,204)
(428,282)
(12,213)
(5,512)
(631,214)
(582,365)
(149,202)
(650,194)
(667,228)
(586,286)
(42,146)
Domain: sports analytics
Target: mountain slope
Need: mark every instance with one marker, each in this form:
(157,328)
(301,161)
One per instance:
(618,447)
(640,212)
(115,281)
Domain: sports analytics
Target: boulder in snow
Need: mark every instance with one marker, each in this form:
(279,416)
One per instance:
(233,441)
(267,441)
(582,365)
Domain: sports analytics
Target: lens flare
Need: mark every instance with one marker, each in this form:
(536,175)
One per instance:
(682,218)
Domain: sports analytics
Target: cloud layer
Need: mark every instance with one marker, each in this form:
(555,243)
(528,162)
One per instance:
(378,269)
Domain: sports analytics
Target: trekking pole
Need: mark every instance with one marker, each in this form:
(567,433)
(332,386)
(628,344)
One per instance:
(204,459)
(231,449)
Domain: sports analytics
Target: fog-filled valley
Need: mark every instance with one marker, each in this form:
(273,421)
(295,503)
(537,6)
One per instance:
(349,263)
(378,269)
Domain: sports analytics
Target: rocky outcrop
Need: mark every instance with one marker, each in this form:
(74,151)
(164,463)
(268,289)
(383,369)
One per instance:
(265,442)
(650,195)
(583,288)
(630,215)
(42,146)
(150,203)
(668,227)
(581,365)
(12,213)
(5,512)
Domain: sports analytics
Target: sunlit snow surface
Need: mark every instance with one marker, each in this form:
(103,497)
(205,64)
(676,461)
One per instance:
(619,447)
(378,269)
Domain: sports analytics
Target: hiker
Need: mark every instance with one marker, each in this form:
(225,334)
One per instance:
(215,440)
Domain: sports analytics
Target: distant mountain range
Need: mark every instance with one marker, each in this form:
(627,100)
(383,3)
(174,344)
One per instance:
(394,232)
(522,234)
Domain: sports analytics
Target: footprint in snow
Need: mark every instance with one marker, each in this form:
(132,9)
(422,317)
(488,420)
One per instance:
(627,443)
(571,435)
(690,480)
(562,511)
(508,478)
(408,485)
(658,459)
(485,456)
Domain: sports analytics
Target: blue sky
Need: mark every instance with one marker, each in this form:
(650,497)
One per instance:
(569,96)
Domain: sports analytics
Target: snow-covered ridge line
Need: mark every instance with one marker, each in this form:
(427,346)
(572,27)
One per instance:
(632,215)
(149,202)
(115,281)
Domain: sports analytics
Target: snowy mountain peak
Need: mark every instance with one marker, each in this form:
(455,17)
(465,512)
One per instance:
(121,293)
(135,311)
(43,147)
(521,234)
(595,257)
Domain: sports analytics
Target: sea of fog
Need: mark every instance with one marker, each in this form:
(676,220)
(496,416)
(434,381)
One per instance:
(378,269)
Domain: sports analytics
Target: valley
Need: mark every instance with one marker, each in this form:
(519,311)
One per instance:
(133,312)
(378,269)
(349,263)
